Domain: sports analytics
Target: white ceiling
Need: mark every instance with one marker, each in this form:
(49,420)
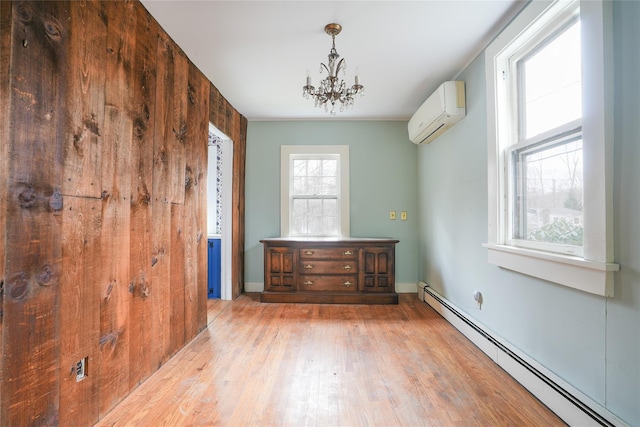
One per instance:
(257,52)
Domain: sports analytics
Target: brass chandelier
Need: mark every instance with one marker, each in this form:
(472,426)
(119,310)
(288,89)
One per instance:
(332,89)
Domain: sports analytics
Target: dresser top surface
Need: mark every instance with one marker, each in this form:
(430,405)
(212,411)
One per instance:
(338,240)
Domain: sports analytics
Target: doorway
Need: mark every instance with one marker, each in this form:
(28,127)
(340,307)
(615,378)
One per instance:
(219,203)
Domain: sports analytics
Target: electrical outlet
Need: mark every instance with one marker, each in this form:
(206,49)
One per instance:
(403,215)
(81,369)
(392,215)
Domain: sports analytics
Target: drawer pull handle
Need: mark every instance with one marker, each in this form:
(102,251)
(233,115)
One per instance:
(308,267)
(308,253)
(346,267)
(348,253)
(308,282)
(347,284)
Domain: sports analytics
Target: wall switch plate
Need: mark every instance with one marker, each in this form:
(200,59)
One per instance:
(403,215)
(392,215)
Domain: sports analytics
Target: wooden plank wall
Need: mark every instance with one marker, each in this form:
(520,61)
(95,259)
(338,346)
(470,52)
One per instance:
(233,124)
(103,173)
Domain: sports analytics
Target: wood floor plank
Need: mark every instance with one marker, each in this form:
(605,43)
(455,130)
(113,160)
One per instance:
(329,365)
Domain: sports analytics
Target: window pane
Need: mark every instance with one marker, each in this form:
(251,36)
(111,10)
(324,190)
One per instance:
(300,185)
(552,83)
(330,207)
(314,167)
(299,168)
(314,219)
(550,193)
(314,185)
(329,186)
(330,167)
(330,226)
(299,215)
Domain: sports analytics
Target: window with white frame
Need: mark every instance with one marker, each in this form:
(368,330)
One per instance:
(549,145)
(314,190)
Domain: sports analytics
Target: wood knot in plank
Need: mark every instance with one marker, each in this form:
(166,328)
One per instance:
(56,200)
(27,197)
(89,124)
(162,156)
(144,197)
(111,338)
(19,287)
(188,179)
(181,133)
(46,277)
(142,285)
(109,290)
(25,13)
(144,290)
(159,253)
(53,30)
(191,94)
(139,128)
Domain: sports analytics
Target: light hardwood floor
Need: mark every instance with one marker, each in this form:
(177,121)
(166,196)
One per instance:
(329,365)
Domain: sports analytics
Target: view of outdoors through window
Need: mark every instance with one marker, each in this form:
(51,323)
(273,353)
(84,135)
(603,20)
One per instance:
(549,189)
(314,197)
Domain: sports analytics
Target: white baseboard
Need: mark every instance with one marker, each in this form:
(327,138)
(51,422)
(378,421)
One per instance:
(406,288)
(253,286)
(401,288)
(574,407)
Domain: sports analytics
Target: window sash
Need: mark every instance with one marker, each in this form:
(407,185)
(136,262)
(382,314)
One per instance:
(521,57)
(517,201)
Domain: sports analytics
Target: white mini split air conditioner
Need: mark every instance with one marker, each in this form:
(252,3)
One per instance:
(443,109)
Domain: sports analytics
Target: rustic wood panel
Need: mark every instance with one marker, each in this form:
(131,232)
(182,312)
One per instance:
(140,283)
(30,346)
(176,284)
(85,100)
(104,125)
(116,192)
(79,310)
(195,202)
(173,116)
(5,59)
(161,208)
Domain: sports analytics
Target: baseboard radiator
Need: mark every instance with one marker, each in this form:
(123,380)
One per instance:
(575,408)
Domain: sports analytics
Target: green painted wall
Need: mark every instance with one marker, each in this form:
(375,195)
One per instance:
(589,341)
(383,177)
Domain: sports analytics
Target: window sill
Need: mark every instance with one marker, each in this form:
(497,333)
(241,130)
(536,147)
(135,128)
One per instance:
(588,276)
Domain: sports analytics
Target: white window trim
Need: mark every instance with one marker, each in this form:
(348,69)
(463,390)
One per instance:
(594,272)
(343,199)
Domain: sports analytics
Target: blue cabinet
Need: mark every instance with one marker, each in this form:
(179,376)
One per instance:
(213,280)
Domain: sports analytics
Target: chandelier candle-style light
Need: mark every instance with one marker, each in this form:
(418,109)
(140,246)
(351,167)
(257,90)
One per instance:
(331,88)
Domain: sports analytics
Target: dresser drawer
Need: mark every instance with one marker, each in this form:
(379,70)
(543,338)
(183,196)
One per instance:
(330,253)
(328,267)
(342,283)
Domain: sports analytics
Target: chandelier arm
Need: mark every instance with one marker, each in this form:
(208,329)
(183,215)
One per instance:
(339,67)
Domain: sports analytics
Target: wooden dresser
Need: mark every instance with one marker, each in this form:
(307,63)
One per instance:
(329,270)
